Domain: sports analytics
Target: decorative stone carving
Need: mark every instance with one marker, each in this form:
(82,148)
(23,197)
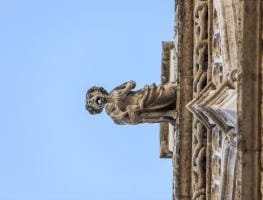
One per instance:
(200,81)
(151,104)
(227,89)
(214,105)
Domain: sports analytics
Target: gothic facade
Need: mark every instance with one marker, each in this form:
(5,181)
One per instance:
(216,61)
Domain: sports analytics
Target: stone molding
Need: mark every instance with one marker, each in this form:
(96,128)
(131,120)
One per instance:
(166,130)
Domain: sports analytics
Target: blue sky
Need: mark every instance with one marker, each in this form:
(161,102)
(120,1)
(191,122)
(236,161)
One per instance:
(51,52)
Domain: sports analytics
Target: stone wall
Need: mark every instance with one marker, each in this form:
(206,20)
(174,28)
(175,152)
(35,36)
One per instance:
(219,70)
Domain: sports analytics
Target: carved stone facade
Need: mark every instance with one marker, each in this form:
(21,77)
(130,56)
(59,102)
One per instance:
(216,60)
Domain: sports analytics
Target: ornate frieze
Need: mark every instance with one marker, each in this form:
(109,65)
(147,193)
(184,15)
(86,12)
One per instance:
(214,105)
(199,141)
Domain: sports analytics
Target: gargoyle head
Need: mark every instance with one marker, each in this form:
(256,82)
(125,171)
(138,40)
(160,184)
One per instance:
(96,98)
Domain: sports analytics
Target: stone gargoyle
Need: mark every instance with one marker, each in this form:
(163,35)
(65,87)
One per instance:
(151,104)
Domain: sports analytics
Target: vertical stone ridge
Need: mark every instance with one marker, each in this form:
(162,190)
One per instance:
(182,148)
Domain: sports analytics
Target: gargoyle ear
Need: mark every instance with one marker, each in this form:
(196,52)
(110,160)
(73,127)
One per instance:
(102,90)
(95,89)
(90,91)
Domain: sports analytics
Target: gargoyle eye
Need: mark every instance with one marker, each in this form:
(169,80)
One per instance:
(98,101)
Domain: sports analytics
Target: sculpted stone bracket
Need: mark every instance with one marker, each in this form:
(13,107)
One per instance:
(217,106)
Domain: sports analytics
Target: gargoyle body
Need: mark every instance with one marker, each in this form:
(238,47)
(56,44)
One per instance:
(151,104)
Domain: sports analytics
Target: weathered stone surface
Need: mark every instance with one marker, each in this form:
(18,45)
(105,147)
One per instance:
(183,135)
(226,103)
(249,88)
